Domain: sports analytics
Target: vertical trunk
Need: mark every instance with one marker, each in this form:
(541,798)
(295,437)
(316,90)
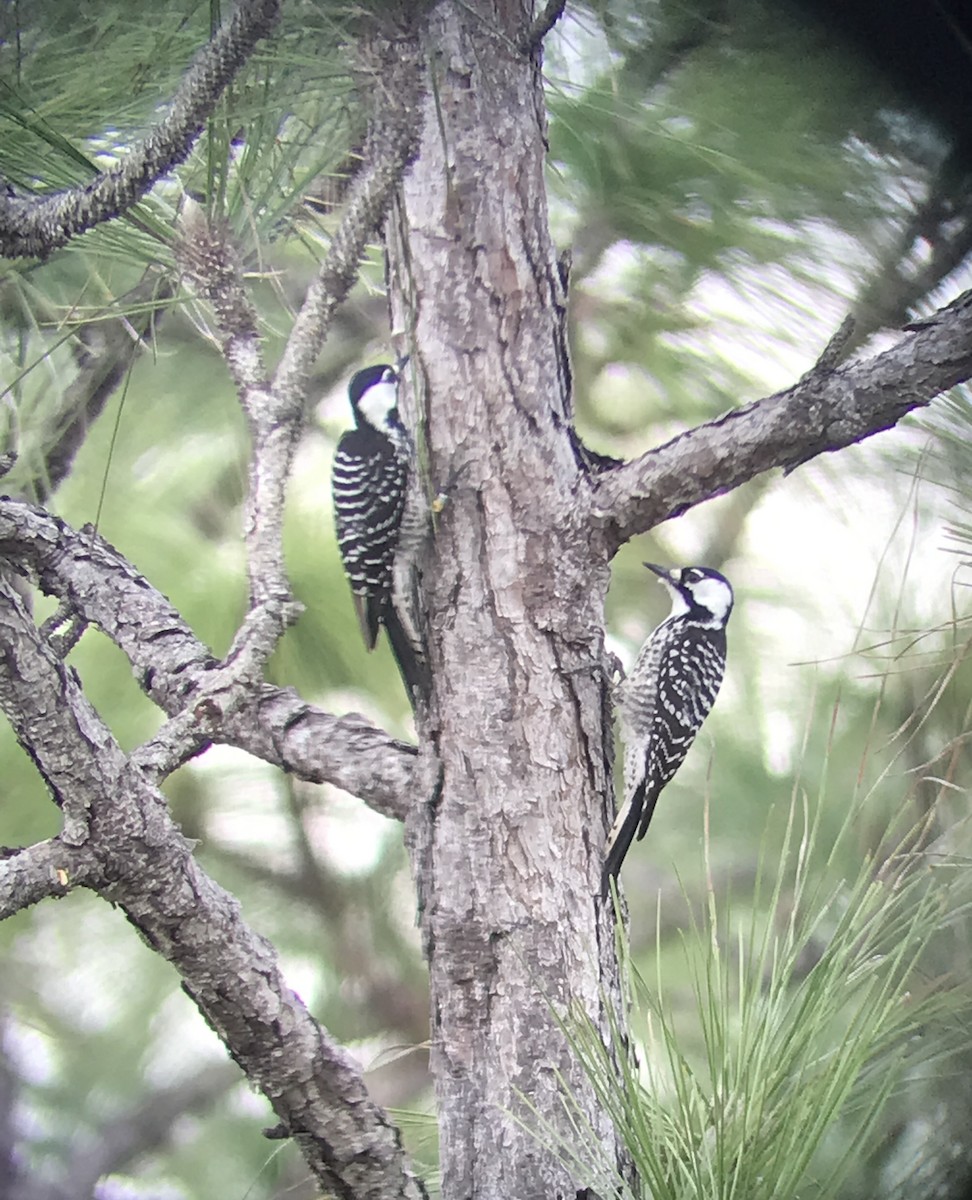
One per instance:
(507,848)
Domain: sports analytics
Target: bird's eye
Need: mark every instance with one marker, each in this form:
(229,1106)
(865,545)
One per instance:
(693,575)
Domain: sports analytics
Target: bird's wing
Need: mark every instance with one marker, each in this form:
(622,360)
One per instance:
(689,676)
(368,486)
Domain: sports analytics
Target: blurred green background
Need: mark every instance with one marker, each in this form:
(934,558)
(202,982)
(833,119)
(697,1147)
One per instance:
(731,180)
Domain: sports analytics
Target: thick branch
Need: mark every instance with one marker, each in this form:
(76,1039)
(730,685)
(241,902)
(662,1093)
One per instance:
(826,410)
(232,974)
(175,669)
(34,227)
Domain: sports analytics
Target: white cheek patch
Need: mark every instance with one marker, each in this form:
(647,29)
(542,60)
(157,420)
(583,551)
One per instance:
(377,402)
(714,596)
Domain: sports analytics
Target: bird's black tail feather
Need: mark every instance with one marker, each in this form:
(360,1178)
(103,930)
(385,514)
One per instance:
(619,840)
(631,822)
(413,666)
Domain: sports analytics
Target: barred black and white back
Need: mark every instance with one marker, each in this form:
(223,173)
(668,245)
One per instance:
(373,494)
(667,696)
(369,484)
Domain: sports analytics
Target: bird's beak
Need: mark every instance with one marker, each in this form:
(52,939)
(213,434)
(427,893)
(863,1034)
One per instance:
(663,573)
(402,363)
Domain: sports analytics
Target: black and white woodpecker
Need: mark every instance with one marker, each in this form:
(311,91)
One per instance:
(667,696)
(370,484)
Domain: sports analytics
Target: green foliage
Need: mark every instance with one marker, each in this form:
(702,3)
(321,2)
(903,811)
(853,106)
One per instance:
(947,463)
(282,123)
(802,1003)
(810,1002)
(715,169)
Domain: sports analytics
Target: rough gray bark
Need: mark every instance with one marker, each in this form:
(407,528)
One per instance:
(506,843)
(118,838)
(513,758)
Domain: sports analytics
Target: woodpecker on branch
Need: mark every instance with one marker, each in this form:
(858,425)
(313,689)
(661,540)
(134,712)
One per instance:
(667,696)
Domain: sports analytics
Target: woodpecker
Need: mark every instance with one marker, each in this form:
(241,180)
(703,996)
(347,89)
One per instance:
(667,696)
(370,486)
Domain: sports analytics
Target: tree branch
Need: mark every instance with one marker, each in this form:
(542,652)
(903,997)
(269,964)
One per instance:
(35,226)
(104,348)
(121,1137)
(276,418)
(232,974)
(9,1096)
(396,83)
(551,13)
(177,672)
(209,260)
(38,872)
(940,226)
(826,410)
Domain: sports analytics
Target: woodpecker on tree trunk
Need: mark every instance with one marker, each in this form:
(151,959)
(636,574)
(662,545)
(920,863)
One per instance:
(667,696)
(370,483)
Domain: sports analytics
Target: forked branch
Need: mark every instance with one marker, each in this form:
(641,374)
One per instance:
(176,670)
(146,867)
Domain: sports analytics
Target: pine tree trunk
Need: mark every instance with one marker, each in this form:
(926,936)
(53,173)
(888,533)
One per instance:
(507,841)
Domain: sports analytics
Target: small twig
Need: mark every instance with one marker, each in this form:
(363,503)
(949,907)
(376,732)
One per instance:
(43,871)
(64,629)
(553,10)
(833,352)
(209,260)
(391,145)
